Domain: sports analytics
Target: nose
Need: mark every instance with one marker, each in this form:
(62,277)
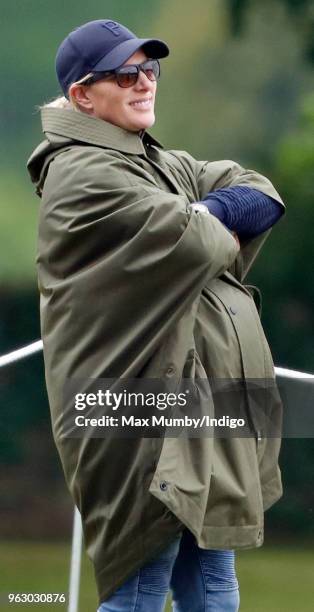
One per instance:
(143,82)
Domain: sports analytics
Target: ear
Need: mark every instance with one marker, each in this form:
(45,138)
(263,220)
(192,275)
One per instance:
(80,96)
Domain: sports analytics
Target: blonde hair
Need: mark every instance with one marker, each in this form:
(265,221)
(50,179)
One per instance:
(60,102)
(63,102)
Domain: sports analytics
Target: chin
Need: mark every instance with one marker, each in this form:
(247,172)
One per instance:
(139,125)
(148,123)
(139,120)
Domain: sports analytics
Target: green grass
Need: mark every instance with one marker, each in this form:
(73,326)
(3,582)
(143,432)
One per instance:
(278,579)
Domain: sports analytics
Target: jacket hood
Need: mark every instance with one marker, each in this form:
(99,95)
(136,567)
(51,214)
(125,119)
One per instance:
(37,164)
(65,127)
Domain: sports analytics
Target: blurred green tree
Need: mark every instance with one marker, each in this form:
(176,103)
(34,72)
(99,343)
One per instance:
(285,270)
(302,10)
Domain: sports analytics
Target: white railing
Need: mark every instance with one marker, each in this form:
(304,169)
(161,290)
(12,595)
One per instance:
(25,351)
(30,349)
(76,553)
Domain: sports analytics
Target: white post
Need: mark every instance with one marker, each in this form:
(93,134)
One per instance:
(75,569)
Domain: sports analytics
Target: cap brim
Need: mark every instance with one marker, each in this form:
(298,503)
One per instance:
(153,47)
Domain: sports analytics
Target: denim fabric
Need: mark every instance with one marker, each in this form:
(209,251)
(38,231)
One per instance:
(200,581)
(204,580)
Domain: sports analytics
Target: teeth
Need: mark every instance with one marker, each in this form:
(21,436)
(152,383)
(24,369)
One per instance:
(142,103)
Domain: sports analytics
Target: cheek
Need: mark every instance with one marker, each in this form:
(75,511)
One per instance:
(101,102)
(118,101)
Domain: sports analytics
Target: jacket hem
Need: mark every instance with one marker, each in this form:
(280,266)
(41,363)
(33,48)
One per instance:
(235,537)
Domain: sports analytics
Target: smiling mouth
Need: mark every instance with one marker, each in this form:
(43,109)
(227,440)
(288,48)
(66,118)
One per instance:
(142,104)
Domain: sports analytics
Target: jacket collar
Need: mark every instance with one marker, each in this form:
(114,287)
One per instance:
(84,128)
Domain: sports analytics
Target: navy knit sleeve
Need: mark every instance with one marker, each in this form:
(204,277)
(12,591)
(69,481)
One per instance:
(246,211)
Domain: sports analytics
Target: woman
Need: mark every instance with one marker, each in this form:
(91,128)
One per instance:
(141,257)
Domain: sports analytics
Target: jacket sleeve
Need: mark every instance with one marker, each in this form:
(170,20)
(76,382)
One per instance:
(120,256)
(210,176)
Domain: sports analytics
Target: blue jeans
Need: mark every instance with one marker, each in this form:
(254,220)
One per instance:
(200,581)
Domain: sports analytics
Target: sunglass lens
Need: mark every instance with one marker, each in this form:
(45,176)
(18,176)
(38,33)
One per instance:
(127,76)
(152,70)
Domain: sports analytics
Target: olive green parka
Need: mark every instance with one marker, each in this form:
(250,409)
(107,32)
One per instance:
(135,282)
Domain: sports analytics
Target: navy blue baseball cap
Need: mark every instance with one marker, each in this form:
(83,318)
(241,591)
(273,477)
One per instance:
(98,46)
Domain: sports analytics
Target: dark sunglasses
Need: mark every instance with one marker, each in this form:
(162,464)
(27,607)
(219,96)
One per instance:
(126,76)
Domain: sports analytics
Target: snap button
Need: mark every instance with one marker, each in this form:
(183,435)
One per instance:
(233,310)
(201,208)
(163,486)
